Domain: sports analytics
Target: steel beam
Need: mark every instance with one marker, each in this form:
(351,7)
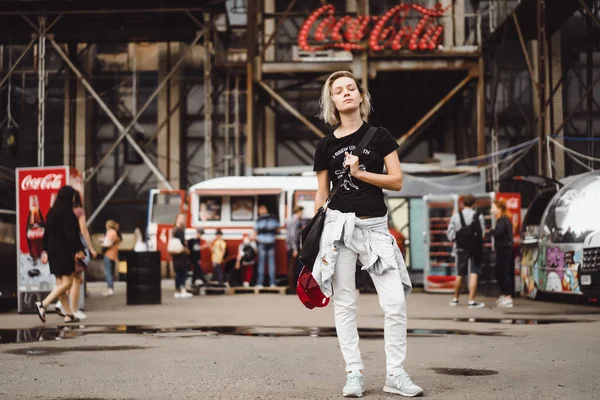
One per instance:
(237,167)
(417,127)
(125,130)
(480,109)
(19,59)
(525,52)
(41,92)
(279,23)
(252,37)
(209,165)
(541,87)
(291,109)
(107,198)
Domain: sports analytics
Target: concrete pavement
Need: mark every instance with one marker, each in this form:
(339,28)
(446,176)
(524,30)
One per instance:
(486,360)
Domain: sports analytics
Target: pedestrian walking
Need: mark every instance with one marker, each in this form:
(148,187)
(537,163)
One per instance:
(62,246)
(356,229)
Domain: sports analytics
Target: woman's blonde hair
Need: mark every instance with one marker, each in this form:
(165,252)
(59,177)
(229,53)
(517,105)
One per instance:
(111,224)
(329,113)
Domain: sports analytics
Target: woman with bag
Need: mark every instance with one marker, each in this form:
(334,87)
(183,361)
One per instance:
(110,247)
(62,246)
(80,264)
(356,229)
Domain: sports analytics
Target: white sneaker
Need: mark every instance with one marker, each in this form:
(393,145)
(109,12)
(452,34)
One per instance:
(476,304)
(79,314)
(246,284)
(109,292)
(273,286)
(177,295)
(199,282)
(506,303)
(401,384)
(185,295)
(259,286)
(453,303)
(355,385)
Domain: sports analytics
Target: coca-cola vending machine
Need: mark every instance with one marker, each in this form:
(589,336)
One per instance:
(36,190)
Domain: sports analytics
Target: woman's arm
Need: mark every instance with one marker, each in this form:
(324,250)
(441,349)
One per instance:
(86,234)
(322,189)
(72,233)
(392,180)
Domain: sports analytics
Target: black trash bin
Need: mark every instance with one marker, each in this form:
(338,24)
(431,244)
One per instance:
(143,278)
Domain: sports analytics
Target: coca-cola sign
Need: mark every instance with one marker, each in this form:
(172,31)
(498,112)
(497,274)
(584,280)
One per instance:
(48,182)
(389,31)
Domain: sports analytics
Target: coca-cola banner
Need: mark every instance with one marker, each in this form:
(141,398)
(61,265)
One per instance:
(36,191)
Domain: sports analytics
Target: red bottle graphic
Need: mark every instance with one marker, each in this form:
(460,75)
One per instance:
(35,228)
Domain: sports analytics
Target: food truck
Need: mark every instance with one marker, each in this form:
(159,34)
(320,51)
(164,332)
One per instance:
(231,204)
(557,223)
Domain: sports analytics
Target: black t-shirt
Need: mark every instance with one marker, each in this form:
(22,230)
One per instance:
(194,247)
(361,198)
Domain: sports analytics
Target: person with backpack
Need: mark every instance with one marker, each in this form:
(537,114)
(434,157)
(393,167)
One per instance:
(466,230)
(246,259)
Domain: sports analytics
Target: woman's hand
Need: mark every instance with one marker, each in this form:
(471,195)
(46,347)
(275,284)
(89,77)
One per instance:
(80,255)
(351,161)
(93,253)
(237,265)
(44,258)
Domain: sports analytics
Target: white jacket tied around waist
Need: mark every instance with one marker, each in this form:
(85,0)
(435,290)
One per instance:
(382,253)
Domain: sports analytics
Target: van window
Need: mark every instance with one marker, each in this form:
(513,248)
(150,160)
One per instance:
(242,208)
(272,203)
(210,208)
(165,208)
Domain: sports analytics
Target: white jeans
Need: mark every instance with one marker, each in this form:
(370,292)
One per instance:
(391,299)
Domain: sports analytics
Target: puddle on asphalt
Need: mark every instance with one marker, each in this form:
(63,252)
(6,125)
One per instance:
(52,351)
(509,321)
(464,371)
(68,332)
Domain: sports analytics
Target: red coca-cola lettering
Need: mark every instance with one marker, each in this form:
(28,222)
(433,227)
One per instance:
(389,31)
(48,182)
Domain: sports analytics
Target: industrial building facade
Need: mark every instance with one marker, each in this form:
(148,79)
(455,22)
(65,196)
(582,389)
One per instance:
(174,93)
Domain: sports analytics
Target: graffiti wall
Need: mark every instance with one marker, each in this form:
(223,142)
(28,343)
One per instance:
(550,268)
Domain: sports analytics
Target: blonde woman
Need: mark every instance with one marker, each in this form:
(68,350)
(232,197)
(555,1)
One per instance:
(356,229)
(110,245)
